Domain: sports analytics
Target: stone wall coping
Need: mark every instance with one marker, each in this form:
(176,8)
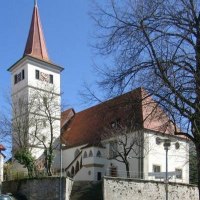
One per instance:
(146,181)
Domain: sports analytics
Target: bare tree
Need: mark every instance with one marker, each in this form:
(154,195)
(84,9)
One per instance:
(20,125)
(21,122)
(125,143)
(36,127)
(5,129)
(46,117)
(155,44)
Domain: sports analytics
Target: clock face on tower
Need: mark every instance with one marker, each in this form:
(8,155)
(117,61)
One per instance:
(44,77)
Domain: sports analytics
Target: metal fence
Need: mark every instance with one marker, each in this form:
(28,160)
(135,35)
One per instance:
(142,176)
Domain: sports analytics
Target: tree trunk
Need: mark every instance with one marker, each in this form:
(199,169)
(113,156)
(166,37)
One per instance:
(127,170)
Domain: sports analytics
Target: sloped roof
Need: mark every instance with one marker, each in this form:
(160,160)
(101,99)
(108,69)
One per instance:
(35,45)
(88,125)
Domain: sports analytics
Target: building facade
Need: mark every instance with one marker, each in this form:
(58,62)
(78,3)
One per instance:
(36,101)
(103,139)
(115,138)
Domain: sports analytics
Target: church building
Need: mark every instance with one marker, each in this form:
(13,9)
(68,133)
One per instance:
(121,137)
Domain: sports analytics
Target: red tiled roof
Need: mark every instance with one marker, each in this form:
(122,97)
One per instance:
(35,45)
(88,125)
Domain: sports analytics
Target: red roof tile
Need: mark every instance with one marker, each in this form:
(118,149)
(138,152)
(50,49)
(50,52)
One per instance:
(88,125)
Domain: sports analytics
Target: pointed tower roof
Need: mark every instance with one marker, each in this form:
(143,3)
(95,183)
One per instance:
(35,45)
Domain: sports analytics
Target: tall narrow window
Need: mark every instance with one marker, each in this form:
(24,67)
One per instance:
(51,78)
(19,77)
(178,173)
(85,155)
(23,75)
(15,78)
(90,153)
(113,150)
(98,154)
(37,74)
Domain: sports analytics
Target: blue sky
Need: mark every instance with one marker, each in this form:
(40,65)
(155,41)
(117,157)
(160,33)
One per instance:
(68,31)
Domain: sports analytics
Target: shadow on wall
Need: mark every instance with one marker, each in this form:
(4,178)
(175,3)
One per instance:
(20,196)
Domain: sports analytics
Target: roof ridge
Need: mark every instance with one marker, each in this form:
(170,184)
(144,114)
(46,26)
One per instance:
(112,99)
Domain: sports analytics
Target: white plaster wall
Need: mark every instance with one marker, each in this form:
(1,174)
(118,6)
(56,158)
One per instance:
(153,154)
(20,85)
(177,158)
(32,66)
(85,174)
(133,159)
(29,88)
(89,173)
(67,157)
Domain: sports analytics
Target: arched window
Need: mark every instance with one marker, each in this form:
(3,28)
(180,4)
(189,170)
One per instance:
(77,167)
(98,153)
(90,154)
(76,153)
(68,174)
(85,154)
(72,172)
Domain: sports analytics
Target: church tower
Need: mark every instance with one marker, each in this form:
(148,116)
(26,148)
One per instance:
(35,94)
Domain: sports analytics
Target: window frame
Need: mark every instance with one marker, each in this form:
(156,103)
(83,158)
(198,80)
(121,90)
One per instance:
(113,149)
(154,166)
(51,78)
(90,153)
(179,170)
(23,74)
(37,74)
(15,79)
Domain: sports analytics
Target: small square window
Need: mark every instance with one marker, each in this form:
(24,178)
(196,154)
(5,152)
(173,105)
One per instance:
(179,173)
(156,168)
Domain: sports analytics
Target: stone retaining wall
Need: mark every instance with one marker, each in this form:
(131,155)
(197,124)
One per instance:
(129,189)
(40,189)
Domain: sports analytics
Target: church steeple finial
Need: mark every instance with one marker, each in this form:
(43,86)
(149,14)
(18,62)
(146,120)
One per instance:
(35,45)
(35,2)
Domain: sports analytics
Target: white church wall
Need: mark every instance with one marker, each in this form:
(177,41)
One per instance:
(85,174)
(132,158)
(177,158)
(153,155)
(21,84)
(33,92)
(68,156)
(32,81)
